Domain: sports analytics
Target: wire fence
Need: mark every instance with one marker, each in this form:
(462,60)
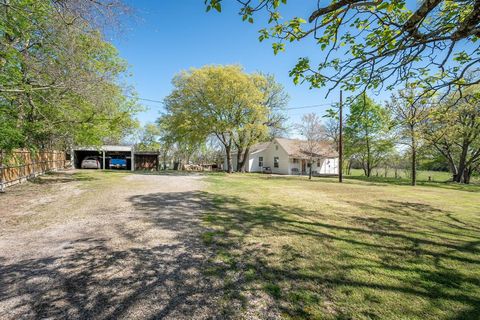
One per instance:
(20,165)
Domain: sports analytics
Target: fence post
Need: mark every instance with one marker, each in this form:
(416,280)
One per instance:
(2,186)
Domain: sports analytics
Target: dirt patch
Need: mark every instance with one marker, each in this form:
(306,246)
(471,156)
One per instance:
(105,245)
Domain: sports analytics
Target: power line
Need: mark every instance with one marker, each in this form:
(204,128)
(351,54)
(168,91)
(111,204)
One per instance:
(291,108)
(312,106)
(144,99)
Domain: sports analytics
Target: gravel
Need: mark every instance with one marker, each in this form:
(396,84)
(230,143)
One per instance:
(115,247)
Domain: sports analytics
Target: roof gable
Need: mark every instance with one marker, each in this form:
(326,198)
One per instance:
(297,148)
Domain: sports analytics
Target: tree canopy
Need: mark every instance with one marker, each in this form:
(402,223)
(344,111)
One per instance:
(454,131)
(220,101)
(366,133)
(59,77)
(377,44)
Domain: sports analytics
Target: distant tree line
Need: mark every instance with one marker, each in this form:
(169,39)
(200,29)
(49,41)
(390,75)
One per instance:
(217,111)
(376,45)
(427,133)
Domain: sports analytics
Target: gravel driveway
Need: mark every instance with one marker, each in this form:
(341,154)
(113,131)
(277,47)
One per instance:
(104,246)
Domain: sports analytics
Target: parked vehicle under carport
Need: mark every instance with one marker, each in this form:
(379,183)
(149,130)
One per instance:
(91,163)
(116,163)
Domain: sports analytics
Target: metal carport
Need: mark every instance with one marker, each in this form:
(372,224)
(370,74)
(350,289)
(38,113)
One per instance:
(104,153)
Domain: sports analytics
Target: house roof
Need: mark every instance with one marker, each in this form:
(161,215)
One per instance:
(256,147)
(297,148)
(259,147)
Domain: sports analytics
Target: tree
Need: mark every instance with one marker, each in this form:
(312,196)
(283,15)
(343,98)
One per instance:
(332,131)
(275,100)
(366,133)
(149,138)
(313,131)
(454,131)
(409,115)
(376,44)
(58,76)
(222,101)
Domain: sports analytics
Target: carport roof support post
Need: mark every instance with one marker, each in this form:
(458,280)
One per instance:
(132,165)
(103,160)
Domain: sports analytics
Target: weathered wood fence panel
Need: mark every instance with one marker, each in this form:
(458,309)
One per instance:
(19,165)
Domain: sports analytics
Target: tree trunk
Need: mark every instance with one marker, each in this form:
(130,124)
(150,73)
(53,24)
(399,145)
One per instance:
(228,151)
(245,159)
(369,170)
(310,172)
(414,166)
(365,168)
(369,167)
(239,159)
(462,163)
(414,156)
(467,175)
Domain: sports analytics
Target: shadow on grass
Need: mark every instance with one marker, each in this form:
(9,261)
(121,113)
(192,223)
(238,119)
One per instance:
(474,187)
(264,260)
(56,177)
(180,173)
(355,267)
(376,181)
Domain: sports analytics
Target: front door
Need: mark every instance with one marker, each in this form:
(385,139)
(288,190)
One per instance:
(304,166)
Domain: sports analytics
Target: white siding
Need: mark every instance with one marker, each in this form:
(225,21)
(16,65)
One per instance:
(283,159)
(253,163)
(297,165)
(327,166)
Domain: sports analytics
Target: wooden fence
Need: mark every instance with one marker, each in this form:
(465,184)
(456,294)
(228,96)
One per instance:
(19,165)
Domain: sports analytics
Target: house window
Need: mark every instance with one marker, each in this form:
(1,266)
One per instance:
(260,162)
(318,163)
(276,147)
(295,160)
(275,162)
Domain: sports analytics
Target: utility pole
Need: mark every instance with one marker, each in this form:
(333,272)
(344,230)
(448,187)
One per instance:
(340,142)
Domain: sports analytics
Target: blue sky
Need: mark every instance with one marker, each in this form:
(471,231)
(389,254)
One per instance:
(169,36)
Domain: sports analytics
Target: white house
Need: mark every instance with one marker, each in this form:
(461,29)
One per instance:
(289,156)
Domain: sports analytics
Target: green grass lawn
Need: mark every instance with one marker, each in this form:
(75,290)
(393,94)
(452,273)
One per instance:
(422,175)
(360,250)
(404,175)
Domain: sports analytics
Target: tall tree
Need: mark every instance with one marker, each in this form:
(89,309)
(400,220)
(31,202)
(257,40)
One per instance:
(376,44)
(275,100)
(312,129)
(149,137)
(454,131)
(58,76)
(223,101)
(409,115)
(366,133)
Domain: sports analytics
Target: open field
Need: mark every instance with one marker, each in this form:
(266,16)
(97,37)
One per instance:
(403,176)
(359,250)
